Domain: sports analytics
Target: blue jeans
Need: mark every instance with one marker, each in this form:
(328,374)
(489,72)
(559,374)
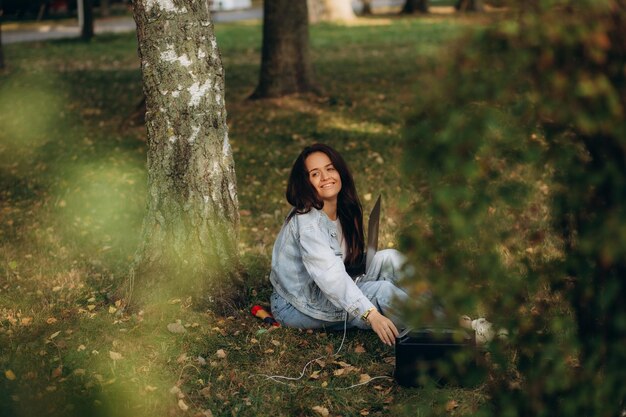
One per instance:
(379,285)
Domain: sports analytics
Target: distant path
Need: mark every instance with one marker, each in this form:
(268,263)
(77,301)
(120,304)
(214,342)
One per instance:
(14,33)
(48,31)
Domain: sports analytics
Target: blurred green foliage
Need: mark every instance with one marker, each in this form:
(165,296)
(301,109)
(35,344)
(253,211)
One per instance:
(520,144)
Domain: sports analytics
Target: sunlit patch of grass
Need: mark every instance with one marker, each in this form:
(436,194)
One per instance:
(354,127)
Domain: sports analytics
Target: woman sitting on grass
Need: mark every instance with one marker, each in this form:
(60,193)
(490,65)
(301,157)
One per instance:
(320,251)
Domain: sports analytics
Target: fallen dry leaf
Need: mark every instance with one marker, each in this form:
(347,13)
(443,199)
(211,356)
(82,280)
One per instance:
(322,411)
(176,327)
(451,405)
(206,392)
(115,355)
(221,353)
(364,378)
(359,349)
(314,375)
(57,372)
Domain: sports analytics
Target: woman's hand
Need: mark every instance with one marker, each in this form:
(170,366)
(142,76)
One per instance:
(384,328)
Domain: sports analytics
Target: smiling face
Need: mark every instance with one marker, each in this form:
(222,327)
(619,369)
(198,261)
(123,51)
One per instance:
(323,176)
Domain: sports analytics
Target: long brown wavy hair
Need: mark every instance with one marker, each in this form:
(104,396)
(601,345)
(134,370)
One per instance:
(303,197)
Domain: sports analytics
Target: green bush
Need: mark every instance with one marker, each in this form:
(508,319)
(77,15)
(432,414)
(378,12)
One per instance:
(520,144)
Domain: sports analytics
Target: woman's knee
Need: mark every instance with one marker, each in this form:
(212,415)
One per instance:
(390,263)
(384,293)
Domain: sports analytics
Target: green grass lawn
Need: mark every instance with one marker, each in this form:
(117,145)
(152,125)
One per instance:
(72,191)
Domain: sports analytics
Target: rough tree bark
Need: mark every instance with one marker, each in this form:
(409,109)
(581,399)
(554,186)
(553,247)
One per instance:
(189,235)
(330,10)
(470,5)
(285,60)
(415,6)
(87,30)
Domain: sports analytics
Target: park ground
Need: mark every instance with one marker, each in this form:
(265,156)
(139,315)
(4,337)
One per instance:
(72,192)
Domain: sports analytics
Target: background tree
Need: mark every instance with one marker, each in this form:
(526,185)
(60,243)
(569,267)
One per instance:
(87,31)
(469,5)
(285,59)
(330,10)
(1,50)
(415,6)
(191,225)
(367,7)
(520,144)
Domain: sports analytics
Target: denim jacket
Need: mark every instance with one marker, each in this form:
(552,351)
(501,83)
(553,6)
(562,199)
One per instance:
(308,271)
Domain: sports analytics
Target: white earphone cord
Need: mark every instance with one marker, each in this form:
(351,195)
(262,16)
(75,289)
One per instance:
(278,378)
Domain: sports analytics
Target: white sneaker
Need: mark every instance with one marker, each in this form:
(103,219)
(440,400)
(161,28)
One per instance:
(484,330)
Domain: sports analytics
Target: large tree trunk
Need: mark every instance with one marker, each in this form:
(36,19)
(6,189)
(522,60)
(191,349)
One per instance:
(285,61)
(87,29)
(470,5)
(330,10)
(189,236)
(415,6)
(367,7)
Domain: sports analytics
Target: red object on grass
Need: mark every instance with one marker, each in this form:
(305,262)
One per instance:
(260,312)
